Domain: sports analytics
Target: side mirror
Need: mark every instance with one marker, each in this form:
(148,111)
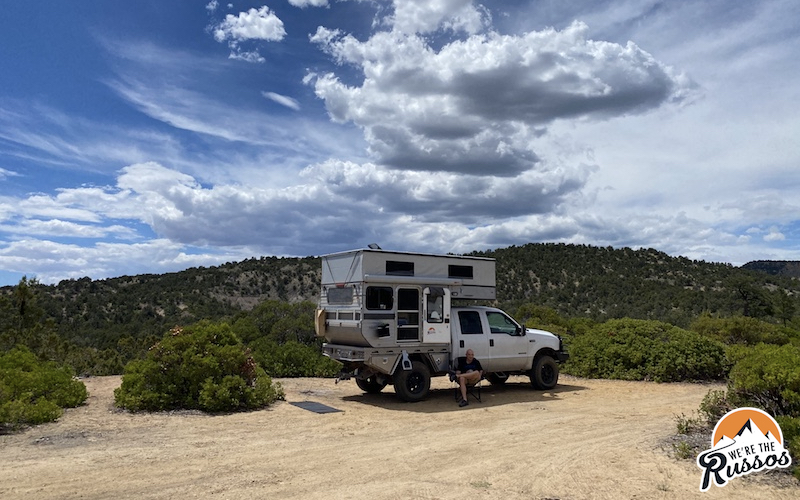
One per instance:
(521,331)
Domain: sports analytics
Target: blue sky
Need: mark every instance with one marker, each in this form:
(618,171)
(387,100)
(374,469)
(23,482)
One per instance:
(150,136)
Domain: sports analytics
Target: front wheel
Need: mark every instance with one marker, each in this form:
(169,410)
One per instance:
(414,384)
(371,385)
(544,374)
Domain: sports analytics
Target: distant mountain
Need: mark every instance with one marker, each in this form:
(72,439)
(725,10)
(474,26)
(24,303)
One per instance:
(787,268)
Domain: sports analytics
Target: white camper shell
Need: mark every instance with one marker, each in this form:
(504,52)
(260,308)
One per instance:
(376,298)
(388,317)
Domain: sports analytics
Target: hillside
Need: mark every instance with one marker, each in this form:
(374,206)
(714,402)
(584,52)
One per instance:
(574,280)
(787,268)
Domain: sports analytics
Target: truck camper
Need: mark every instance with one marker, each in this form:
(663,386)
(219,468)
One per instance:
(389,318)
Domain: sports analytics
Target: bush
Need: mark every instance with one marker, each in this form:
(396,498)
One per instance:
(739,330)
(768,377)
(203,367)
(631,349)
(293,359)
(34,392)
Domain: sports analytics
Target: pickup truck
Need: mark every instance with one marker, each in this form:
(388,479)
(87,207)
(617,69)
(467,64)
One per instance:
(502,346)
(388,318)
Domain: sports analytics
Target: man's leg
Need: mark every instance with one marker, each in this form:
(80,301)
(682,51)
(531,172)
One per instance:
(467,378)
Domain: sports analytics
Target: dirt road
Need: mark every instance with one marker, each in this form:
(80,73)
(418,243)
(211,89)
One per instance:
(587,439)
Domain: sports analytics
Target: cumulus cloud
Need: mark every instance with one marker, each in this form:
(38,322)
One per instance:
(51,261)
(255,24)
(308,3)
(431,15)
(479,104)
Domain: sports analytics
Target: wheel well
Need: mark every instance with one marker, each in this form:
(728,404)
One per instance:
(544,352)
(422,359)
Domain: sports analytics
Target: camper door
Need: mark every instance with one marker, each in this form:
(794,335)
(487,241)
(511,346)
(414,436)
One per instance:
(436,315)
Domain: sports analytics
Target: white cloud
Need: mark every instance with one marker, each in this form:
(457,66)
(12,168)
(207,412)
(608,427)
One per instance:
(774,235)
(479,104)
(51,262)
(212,5)
(412,16)
(308,3)
(7,173)
(282,100)
(255,24)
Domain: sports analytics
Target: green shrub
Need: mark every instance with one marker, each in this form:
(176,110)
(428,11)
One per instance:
(33,392)
(631,349)
(714,406)
(768,377)
(203,367)
(739,330)
(293,359)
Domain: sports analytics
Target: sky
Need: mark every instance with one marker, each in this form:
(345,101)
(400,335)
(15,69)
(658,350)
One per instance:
(151,136)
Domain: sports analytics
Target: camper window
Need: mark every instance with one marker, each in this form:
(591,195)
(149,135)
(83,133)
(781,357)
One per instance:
(398,268)
(435,308)
(340,296)
(380,297)
(459,271)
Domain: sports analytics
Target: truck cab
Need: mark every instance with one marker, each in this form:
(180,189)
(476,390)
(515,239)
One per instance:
(503,346)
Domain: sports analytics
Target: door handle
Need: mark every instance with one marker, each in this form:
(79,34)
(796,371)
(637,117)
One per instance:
(461,343)
(491,342)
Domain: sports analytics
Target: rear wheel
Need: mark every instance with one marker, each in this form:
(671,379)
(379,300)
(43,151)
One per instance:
(414,384)
(544,374)
(371,384)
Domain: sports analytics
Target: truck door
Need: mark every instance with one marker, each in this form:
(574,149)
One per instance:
(508,348)
(436,315)
(472,336)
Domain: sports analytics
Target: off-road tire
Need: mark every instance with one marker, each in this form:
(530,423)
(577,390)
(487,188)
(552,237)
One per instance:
(544,375)
(413,385)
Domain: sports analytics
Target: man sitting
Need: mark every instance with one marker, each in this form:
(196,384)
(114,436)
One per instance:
(469,371)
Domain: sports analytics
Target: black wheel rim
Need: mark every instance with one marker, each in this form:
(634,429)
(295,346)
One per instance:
(548,374)
(414,383)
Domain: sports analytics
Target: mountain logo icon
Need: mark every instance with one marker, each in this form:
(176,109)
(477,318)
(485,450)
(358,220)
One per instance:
(743,420)
(745,440)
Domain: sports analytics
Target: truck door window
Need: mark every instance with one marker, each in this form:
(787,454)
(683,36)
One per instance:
(500,323)
(470,322)
(380,297)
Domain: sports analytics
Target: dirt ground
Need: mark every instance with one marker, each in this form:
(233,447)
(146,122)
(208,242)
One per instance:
(593,439)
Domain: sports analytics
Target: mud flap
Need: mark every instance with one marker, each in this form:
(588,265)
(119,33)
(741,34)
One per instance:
(405,362)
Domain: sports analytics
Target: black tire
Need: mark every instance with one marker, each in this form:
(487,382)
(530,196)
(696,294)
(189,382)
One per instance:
(371,385)
(414,384)
(544,375)
(497,378)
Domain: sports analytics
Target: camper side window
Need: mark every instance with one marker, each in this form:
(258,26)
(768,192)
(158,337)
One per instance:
(380,297)
(340,296)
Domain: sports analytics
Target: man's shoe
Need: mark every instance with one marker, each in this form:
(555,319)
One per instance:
(463,402)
